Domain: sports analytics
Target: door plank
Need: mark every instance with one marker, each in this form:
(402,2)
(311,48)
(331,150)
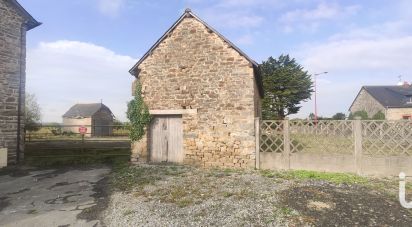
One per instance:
(175,139)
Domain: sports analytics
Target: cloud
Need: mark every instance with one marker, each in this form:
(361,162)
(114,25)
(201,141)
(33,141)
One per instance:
(110,7)
(64,73)
(248,3)
(361,54)
(370,55)
(233,19)
(309,19)
(245,40)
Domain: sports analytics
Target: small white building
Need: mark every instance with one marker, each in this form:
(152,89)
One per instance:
(96,117)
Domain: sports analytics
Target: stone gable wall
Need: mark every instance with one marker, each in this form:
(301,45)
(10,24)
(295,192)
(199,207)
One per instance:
(366,102)
(193,68)
(10,62)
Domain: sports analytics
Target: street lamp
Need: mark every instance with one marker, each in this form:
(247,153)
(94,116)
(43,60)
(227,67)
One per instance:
(316,105)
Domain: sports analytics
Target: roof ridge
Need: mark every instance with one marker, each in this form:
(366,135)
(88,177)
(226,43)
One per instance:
(84,109)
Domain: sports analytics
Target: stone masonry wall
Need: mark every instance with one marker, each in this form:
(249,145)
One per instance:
(12,57)
(195,69)
(398,113)
(366,102)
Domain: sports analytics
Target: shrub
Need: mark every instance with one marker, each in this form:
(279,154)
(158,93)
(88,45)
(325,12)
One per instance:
(379,116)
(362,114)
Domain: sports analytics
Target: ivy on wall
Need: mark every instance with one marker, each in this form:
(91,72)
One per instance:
(138,114)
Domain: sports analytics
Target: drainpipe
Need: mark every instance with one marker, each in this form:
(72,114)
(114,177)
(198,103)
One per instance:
(19,101)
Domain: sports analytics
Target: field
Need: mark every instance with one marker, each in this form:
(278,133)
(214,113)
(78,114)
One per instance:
(58,152)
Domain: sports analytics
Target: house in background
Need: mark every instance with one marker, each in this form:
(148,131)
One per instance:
(204,94)
(393,101)
(15,21)
(96,117)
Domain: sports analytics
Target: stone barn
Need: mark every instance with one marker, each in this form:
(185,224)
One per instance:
(203,93)
(96,117)
(15,21)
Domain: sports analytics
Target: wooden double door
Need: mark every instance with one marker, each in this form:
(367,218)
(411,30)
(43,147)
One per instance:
(166,139)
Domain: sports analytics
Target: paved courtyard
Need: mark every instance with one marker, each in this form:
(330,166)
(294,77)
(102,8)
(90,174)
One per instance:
(52,197)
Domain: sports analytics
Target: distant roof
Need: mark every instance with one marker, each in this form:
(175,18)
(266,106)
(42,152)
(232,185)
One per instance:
(189,14)
(85,110)
(391,96)
(31,22)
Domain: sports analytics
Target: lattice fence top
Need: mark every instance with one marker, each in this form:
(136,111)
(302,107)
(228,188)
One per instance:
(324,127)
(331,136)
(271,127)
(325,136)
(271,139)
(387,137)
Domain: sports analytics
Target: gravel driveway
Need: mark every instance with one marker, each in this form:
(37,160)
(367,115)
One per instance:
(185,196)
(53,197)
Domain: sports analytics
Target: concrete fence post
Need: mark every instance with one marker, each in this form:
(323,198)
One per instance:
(257,142)
(286,144)
(357,134)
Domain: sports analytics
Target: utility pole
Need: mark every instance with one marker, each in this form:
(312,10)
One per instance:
(316,104)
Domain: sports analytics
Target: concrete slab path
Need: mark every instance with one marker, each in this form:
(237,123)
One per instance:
(52,197)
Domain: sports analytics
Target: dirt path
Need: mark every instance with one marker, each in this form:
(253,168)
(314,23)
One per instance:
(324,204)
(53,197)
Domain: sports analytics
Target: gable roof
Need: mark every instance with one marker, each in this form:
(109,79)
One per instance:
(391,96)
(189,14)
(30,21)
(85,110)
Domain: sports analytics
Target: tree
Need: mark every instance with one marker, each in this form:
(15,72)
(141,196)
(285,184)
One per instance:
(138,114)
(286,84)
(311,116)
(379,116)
(339,116)
(32,112)
(361,113)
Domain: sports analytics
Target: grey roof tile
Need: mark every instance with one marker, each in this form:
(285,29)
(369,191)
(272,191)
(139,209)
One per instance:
(391,96)
(84,110)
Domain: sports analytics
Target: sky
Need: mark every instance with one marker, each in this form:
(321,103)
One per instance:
(83,50)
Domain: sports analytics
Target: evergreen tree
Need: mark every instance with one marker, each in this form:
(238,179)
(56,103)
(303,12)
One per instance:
(286,84)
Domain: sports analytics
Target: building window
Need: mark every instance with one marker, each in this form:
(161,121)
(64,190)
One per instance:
(406,117)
